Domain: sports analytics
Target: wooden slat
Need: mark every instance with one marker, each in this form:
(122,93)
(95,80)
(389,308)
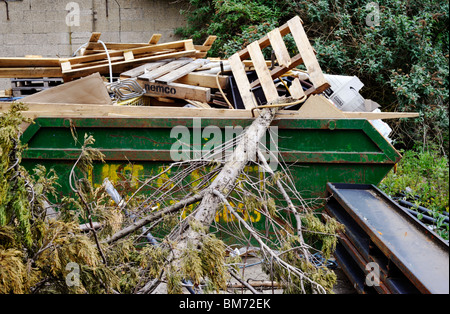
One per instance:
(279,47)
(181,71)
(242,82)
(263,72)
(204,80)
(166,68)
(307,52)
(94,39)
(143,68)
(155,39)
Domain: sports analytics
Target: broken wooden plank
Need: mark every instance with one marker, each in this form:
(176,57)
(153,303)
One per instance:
(164,69)
(181,71)
(203,49)
(92,40)
(155,39)
(296,89)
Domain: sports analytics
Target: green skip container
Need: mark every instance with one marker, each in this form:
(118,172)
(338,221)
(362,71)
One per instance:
(317,151)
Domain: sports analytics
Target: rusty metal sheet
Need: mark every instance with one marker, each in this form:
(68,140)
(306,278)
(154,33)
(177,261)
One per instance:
(420,254)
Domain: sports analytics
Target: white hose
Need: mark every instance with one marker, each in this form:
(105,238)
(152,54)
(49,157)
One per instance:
(107,54)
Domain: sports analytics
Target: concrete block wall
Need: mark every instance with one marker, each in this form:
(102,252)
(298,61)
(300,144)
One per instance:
(53,28)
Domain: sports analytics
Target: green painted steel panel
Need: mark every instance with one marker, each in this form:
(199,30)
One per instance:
(317,151)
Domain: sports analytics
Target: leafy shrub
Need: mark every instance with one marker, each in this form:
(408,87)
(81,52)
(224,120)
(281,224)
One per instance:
(422,178)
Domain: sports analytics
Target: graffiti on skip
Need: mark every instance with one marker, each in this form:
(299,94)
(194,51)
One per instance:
(134,172)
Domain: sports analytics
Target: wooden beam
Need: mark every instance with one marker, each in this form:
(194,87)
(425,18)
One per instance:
(176,90)
(31,72)
(85,110)
(296,89)
(204,80)
(28,62)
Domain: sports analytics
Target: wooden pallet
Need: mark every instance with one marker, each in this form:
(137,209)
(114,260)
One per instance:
(285,62)
(24,87)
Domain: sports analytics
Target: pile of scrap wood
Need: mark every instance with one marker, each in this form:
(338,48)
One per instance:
(140,78)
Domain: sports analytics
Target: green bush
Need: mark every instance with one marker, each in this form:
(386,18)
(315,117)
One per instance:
(403,61)
(422,178)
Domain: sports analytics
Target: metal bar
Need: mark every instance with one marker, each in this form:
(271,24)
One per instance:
(420,254)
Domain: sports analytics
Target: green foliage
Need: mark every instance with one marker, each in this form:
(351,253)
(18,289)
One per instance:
(422,178)
(14,205)
(293,284)
(235,22)
(323,233)
(35,249)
